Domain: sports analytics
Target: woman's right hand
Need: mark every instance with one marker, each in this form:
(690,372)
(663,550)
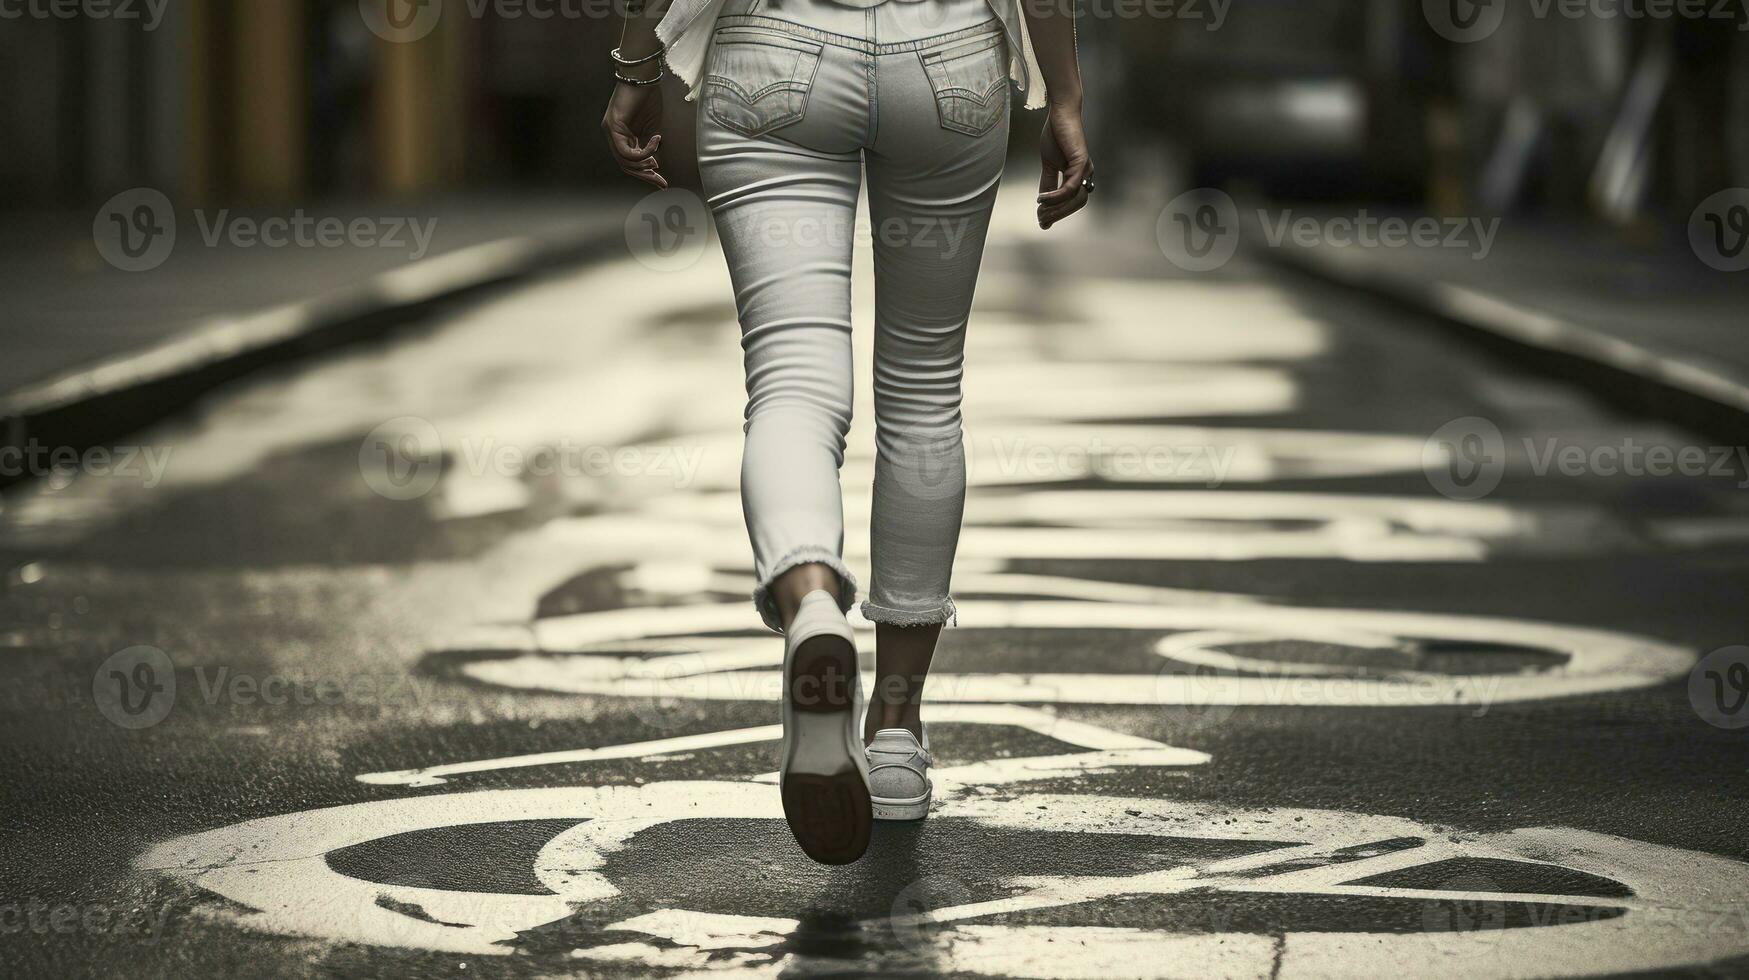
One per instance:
(633,123)
(1068,166)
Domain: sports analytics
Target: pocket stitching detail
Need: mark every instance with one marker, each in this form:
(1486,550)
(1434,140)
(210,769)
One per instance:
(947,94)
(806,52)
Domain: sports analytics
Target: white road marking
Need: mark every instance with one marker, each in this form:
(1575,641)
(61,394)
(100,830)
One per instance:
(1030,719)
(706,931)
(572,654)
(437,775)
(275,867)
(1190,525)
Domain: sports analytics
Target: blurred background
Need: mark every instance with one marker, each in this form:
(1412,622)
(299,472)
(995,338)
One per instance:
(253,101)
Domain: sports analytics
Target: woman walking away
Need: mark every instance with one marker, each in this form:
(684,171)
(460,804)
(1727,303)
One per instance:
(800,100)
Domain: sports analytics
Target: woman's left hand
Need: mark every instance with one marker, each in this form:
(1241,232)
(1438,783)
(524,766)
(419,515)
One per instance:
(1068,166)
(633,123)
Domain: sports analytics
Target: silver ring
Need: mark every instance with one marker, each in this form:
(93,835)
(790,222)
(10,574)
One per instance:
(1088,185)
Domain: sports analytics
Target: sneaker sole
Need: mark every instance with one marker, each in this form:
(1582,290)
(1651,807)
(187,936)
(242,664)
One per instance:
(825,796)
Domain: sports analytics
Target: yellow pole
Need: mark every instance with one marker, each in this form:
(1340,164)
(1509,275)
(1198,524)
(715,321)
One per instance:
(419,109)
(200,165)
(271,104)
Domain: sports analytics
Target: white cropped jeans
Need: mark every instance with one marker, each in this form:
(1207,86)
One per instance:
(800,99)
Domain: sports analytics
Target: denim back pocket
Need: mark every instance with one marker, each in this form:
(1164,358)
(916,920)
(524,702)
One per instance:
(759,79)
(970,79)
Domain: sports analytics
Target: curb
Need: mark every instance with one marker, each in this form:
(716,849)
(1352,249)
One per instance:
(94,405)
(1620,372)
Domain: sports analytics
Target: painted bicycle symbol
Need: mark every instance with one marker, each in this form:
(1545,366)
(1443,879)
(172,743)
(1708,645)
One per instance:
(596,874)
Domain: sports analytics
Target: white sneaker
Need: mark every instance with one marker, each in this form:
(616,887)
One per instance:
(898,775)
(824,776)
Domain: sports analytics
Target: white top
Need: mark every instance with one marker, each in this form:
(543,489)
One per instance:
(685,31)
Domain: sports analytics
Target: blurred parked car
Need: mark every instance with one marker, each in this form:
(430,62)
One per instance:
(1295,97)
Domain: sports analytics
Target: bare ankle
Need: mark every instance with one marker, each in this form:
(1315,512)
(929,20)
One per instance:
(794,585)
(884,717)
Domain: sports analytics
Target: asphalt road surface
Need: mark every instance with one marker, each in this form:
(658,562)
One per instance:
(1292,641)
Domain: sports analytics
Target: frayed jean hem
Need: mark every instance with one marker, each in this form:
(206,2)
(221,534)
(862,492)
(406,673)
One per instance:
(935,615)
(766,603)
